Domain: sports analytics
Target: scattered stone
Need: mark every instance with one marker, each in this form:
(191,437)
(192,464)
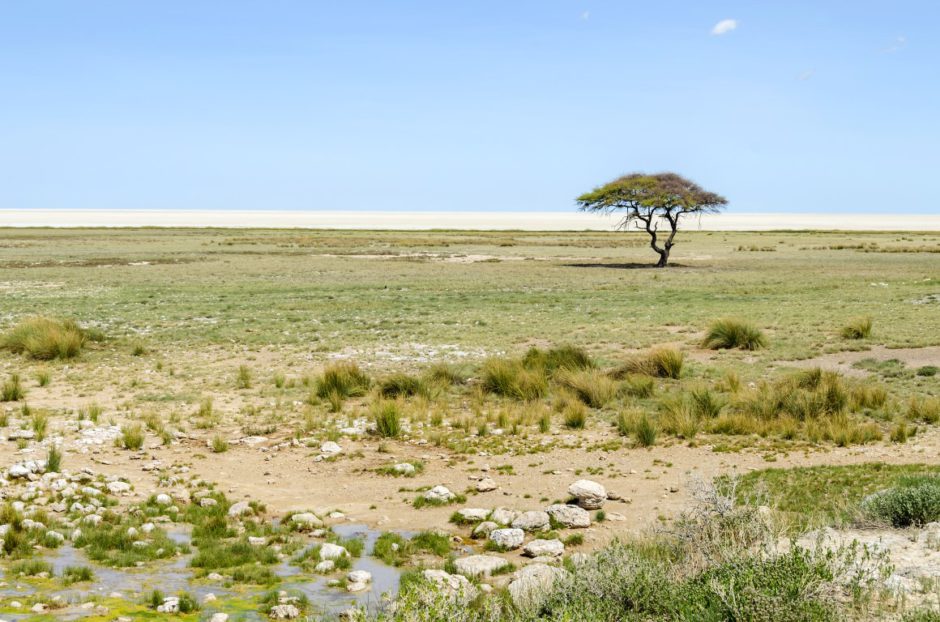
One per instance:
(479,565)
(453,586)
(570,516)
(329,448)
(404,468)
(533,520)
(530,584)
(502,516)
(239,509)
(439,494)
(483,529)
(486,485)
(544,548)
(119,488)
(590,495)
(306,520)
(507,539)
(284,612)
(358,581)
(328,550)
(473,514)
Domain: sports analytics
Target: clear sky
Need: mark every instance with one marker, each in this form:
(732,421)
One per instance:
(781,105)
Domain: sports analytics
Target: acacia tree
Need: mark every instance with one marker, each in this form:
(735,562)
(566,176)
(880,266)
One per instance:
(649,200)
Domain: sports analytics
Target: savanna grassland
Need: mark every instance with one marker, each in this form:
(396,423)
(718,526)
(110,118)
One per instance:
(442,389)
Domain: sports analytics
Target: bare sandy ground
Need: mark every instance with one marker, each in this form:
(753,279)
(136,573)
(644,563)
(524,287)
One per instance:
(495,220)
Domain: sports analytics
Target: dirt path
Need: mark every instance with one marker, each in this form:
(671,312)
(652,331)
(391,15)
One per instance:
(842,361)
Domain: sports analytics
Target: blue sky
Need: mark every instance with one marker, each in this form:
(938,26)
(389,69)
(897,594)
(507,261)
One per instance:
(823,106)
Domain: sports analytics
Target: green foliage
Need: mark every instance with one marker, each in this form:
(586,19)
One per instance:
(219,444)
(857,328)
(12,390)
(43,377)
(30,568)
(575,415)
(387,418)
(396,550)
(445,374)
(928,371)
(45,338)
(913,501)
(729,333)
(54,459)
(77,574)
(132,436)
(343,379)
(922,615)
(925,409)
(110,543)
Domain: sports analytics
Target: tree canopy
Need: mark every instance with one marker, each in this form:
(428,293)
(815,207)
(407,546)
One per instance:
(648,200)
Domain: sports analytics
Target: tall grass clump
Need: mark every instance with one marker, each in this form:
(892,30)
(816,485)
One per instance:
(857,328)
(403,385)
(132,436)
(243,377)
(660,362)
(592,387)
(54,460)
(12,389)
(637,423)
(387,419)
(511,378)
(343,379)
(729,333)
(560,357)
(924,409)
(45,338)
(913,501)
(445,374)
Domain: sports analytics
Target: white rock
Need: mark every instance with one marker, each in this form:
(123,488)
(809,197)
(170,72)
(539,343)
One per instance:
(329,448)
(479,565)
(306,520)
(503,516)
(473,514)
(328,550)
(454,586)
(533,520)
(359,576)
(325,566)
(590,495)
(439,494)
(544,548)
(240,508)
(119,488)
(507,539)
(284,612)
(531,583)
(404,468)
(486,485)
(570,516)
(483,529)
(219,617)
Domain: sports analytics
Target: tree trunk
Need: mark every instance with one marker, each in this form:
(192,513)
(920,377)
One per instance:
(663,258)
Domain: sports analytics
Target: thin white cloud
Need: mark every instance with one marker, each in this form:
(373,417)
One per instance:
(899,43)
(586,15)
(724,27)
(806,75)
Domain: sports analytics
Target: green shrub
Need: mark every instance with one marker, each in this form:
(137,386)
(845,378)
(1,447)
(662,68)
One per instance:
(922,615)
(857,328)
(728,333)
(645,431)
(928,371)
(12,390)
(705,404)
(575,416)
(44,338)
(914,501)
(219,444)
(387,419)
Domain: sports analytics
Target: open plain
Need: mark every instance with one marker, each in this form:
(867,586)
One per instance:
(255,397)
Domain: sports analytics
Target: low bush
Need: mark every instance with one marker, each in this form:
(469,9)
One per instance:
(132,436)
(728,333)
(560,357)
(511,378)
(925,409)
(914,501)
(402,385)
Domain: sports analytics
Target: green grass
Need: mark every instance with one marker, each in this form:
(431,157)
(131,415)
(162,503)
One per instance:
(77,574)
(913,500)
(132,436)
(387,419)
(396,550)
(659,362)
(402,385)
(342,378)
(827,495)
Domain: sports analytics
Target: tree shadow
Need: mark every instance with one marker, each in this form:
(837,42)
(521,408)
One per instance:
(625,266)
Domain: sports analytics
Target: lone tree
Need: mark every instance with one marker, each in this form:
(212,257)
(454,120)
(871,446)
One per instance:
(648,200)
